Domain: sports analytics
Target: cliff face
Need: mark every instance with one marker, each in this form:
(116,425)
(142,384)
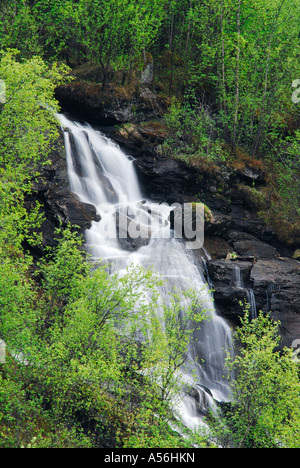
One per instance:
(247,259)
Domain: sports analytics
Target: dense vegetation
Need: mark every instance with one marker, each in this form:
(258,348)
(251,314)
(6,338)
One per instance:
(231,65)
(72,377)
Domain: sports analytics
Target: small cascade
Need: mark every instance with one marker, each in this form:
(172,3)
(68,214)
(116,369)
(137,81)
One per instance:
(239,283)
(252,303)
(238,277)
(205,257)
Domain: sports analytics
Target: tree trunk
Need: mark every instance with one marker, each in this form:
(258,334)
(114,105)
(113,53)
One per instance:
(263,106)
(171,34)
(223,80)
(237,72)
(188,31)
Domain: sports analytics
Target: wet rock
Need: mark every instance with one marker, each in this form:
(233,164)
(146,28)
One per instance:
(217,247)
(223,272)
(231,280)
(230,302)
(202,399)
(131,233)
(67,208)
(61,208)
(276,282)
(255,248)
(219,224)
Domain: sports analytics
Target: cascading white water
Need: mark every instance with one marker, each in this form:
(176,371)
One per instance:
(239,283)
(101,174)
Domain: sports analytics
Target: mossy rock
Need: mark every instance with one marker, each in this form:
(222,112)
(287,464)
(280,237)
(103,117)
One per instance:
(208,216)
(296,255)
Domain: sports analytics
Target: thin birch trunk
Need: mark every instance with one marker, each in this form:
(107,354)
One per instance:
(237,72)
(263,107)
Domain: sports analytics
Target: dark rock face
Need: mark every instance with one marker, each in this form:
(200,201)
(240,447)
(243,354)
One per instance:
(231,281)
(255,248)
(277,284)
(91,103)
(164,180)
(58,204)
(64,207)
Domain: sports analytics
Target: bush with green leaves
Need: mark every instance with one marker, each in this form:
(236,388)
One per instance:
(94,352)
(28,129)
(192,132)
(265,408)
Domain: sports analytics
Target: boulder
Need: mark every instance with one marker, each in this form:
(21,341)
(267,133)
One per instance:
(131,233)
(254,248)
(164,179)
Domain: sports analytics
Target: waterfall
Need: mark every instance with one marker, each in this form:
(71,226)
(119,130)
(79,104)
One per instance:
(238,277)
(252,303)
(239,283)
(101,174)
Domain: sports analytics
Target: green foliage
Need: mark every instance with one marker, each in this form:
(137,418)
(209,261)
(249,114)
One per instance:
(91,351)
(265,411)
(192,131)
(240,58)
(19,28)
(59,28)
(112,33)
(27,131)
(27,122)
(289,173)
(23,421)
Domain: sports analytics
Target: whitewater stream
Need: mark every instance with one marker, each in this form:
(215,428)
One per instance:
(102,175)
